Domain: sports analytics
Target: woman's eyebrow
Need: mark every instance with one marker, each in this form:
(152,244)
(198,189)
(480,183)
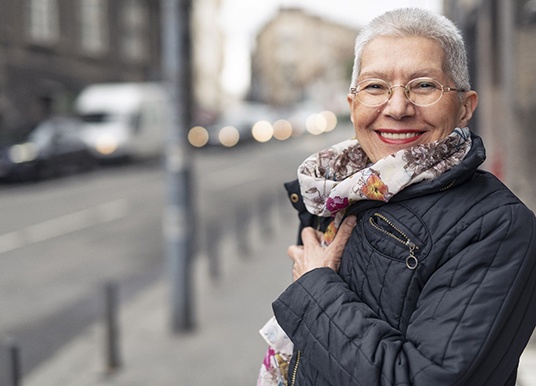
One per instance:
(422,72)
(372,74)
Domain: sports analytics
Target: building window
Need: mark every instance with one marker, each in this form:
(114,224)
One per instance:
(135,22)
(43,21)
(94,25)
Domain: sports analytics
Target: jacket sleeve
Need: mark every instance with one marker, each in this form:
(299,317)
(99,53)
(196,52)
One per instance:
(473,318)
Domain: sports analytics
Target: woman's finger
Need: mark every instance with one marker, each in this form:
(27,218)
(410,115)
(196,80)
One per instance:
(310,236)
(295,251)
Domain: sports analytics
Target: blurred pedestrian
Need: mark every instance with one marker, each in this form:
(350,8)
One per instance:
(417,268)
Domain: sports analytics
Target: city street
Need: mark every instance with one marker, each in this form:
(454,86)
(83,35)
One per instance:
(62,240)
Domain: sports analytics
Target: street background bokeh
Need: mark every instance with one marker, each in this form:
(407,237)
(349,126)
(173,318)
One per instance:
(86,180)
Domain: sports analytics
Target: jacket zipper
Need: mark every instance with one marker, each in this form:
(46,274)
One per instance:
(295,370)
(448,186)
(411,261)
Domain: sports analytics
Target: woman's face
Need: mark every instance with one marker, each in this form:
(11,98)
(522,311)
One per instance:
(398,124)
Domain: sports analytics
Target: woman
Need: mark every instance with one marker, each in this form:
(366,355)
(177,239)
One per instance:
(421,269)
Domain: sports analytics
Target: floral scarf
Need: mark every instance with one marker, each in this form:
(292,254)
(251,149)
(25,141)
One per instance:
(274,368)
(334,178)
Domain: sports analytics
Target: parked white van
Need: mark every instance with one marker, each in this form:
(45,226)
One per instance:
(124,120)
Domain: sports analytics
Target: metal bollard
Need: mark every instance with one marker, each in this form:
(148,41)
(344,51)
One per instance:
(113,361)
(14,354)
(213,250)
(243,222)
(12,366)
(266,217)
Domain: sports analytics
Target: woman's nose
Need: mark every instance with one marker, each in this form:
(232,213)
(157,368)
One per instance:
(398,106)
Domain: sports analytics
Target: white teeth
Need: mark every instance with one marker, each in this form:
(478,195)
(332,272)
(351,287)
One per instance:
(398,135)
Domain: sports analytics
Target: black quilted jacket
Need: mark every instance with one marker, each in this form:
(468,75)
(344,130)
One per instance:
(436,287)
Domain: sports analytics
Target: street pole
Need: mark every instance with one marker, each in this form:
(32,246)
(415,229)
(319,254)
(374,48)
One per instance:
(179,221)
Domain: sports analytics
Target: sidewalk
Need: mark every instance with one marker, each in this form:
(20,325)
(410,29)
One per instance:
(224,350)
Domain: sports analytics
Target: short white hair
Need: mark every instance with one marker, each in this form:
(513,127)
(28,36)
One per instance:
(408,22)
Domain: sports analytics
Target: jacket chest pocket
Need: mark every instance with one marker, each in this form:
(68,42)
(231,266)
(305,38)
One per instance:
(384,225)
(398,235)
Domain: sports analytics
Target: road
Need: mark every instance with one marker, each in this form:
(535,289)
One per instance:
(62,240)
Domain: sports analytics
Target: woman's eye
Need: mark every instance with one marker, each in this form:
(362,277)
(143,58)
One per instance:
(425,85)
(374,87)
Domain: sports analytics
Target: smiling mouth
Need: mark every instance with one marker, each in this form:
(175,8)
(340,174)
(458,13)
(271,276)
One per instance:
(399,137)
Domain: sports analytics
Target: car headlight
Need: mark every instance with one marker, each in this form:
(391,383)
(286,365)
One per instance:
(24,152)
(106,144)
(229,136)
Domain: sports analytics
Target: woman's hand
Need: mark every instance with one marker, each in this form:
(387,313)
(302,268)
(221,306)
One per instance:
(313,255)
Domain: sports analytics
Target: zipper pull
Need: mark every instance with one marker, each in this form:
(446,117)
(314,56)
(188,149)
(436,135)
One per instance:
(411,260)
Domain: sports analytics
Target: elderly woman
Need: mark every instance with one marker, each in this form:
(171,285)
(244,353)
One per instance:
(416,268)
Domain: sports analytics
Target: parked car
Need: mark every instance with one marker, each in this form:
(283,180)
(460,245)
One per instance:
(51,148)
(124,120)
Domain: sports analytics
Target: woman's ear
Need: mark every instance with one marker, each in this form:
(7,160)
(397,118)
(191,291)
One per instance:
(469,103)
(350,99)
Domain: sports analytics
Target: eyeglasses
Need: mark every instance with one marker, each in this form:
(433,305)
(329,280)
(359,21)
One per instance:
(419,91)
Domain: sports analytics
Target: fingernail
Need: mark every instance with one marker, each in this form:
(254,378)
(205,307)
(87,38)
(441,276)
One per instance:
(351,220)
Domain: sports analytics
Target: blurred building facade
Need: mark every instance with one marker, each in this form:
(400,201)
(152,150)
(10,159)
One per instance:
(501,40)
(51,49)
(207,61)
(301,57)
